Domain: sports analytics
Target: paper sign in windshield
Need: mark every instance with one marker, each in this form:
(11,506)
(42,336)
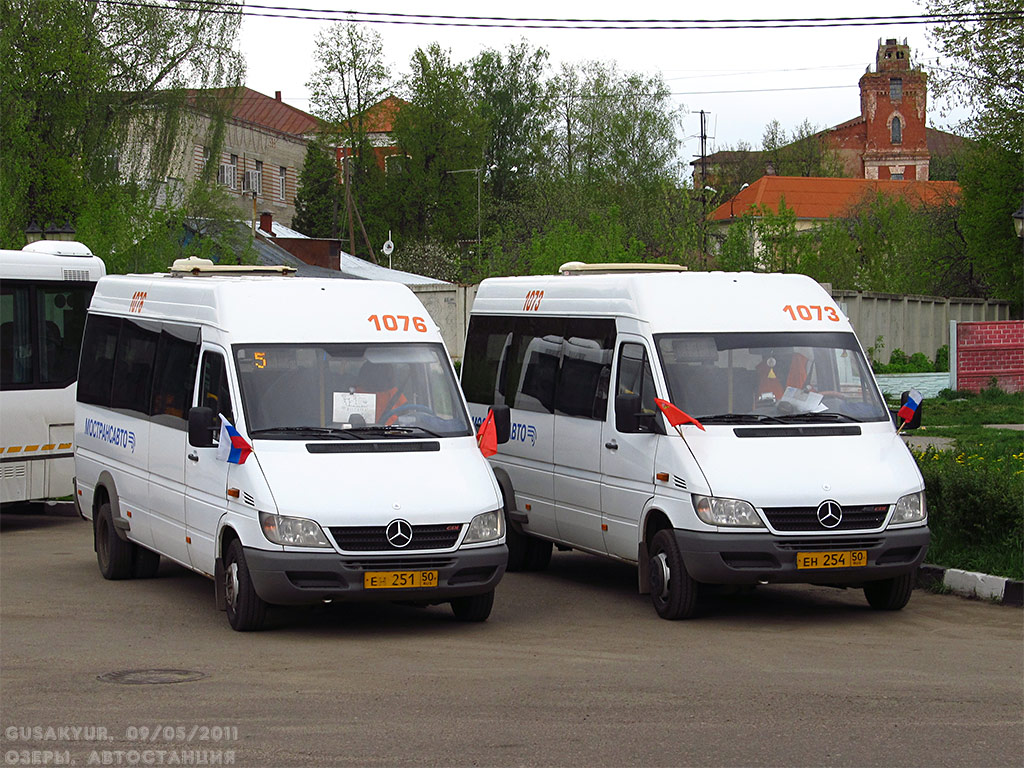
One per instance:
(803,402)
(352,406)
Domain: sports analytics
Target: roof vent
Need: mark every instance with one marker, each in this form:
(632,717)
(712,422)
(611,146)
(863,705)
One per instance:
(581,268)
(205,267)
(58,248)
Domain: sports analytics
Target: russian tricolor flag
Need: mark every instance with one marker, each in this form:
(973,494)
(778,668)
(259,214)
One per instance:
(907,410)
(232,448)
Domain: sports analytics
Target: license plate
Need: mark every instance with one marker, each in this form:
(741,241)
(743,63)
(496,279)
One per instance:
(399,579)
(850,559)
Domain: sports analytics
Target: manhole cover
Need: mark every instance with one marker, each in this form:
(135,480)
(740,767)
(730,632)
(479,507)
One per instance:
(152,676)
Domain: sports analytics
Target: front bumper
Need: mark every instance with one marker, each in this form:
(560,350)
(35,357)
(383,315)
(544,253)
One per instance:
(733,558)
(298,578)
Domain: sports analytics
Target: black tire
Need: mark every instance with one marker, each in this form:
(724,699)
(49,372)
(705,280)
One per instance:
(145,563)
(538,554)
(890,594)
(518,544)
(473,607)
(112,553)
(246,610)
(673,590)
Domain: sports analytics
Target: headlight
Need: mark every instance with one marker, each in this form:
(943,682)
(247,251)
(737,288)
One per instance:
(485,527)
(715,511)
(292,531)
(911,508)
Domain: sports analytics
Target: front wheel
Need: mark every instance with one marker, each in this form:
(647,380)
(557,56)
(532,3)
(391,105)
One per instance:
(673,591)
(473,607)
(145,563)
(113,554)
(890,594)
(246,610)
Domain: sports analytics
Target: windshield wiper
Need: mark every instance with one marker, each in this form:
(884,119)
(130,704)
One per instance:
(737,418)
(818,416)
(308,431)
(393,429)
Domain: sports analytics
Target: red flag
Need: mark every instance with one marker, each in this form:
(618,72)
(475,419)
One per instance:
(487,436)
(675,416)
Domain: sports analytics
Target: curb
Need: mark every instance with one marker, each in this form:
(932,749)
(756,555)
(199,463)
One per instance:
(969,584)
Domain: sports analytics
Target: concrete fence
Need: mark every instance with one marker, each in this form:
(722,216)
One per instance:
(911,323)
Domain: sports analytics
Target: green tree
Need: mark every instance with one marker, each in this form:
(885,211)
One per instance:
(319,198)
(92,102)
(804,152)
(992,181)
(512,95)
(980,67)
(442,131)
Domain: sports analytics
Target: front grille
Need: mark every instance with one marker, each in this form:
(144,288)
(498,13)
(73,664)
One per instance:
(826,545)
(372,538)
(401,564)
(861,518)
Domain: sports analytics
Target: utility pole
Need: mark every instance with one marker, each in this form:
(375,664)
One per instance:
(703,187)
(348,203)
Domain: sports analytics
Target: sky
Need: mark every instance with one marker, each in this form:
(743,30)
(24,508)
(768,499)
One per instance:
(743,78)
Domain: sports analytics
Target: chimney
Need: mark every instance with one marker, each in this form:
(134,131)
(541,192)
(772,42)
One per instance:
(267,222)
(277,95)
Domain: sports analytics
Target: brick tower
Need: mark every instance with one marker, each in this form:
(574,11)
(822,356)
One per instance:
(892,104)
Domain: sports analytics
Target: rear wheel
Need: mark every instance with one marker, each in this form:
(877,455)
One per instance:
(473,607)
(113,554)
(246,610)
(890,594)
(673,591)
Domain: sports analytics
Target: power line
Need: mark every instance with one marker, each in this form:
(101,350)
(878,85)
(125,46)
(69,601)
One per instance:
(501,22)
(766,90)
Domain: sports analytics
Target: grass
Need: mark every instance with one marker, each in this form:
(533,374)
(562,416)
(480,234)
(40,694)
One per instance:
(976,489)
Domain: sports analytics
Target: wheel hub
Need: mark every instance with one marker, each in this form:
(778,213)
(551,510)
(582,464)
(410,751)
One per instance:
(660,575)
(231,584)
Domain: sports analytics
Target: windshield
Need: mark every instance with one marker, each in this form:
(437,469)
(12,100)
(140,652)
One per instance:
(339,390)
(770,377)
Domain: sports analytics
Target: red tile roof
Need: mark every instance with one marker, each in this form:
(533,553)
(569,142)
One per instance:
(259,109)
(823,198)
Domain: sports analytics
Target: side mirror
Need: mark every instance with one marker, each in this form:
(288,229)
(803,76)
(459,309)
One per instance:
(915,420)
(200,427)
(630,418)
(627,408)
(502,422)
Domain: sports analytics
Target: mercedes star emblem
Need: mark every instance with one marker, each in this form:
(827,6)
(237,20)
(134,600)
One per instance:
(830,514)
(399,533)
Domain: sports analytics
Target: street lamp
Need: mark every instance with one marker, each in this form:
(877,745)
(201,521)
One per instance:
(1018,221)
(479,183)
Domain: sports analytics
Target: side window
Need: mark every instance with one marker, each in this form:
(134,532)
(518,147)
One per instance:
(635,377)
(582,388)
(534,359)
(214,391)
(15,335)
(485,361)
(133,367)
(174,373)
(97,368)
(61,317)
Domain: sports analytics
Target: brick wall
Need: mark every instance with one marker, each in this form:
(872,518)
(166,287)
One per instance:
(990,350)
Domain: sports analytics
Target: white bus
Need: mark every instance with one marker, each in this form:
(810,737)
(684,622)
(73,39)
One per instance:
(45,290)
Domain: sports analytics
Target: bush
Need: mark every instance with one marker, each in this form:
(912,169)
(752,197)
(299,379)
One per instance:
(976,509)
